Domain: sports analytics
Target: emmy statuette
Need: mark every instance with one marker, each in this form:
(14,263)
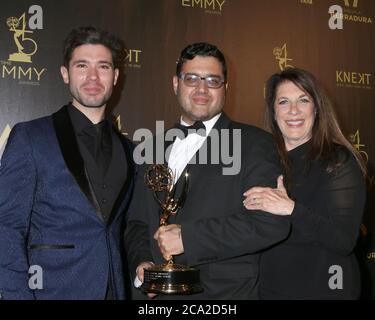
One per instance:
(168,278)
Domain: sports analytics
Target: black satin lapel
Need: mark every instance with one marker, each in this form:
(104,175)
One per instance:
(70,150)
(94,201)
(223,122)
(196,172)
(129,178)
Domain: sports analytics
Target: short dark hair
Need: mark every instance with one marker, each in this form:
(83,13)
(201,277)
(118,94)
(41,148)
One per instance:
(92,35)
(202,49)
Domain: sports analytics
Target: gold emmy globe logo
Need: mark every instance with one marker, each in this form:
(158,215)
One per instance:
(26,46)
(281,55)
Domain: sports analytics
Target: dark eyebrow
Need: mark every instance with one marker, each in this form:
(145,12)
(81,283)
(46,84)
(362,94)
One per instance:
(86,61)
(300,96)
(105,62)
(79,61)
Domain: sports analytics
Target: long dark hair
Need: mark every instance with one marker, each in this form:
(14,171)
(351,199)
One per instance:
(326,132)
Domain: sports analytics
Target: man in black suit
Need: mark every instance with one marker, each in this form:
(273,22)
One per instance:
(212,231)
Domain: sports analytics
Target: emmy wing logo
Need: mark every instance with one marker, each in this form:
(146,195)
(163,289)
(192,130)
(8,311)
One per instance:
(19,65)
(118,125)
(26,46)
(355,140)
(281,55)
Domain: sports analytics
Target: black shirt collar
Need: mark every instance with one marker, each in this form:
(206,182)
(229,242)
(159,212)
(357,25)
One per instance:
(80,122)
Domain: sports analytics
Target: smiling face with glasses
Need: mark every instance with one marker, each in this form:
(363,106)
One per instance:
(200,88)
(194,80)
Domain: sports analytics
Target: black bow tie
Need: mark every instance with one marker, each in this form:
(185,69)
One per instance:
(198,127)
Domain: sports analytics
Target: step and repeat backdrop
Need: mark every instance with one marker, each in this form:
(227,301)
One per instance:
(334,39)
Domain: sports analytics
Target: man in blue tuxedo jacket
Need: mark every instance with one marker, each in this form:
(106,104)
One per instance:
(65,184)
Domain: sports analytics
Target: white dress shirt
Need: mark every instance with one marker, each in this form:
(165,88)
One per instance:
(184,150)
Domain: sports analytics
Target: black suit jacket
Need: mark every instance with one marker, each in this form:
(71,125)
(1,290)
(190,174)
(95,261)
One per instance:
(220,236)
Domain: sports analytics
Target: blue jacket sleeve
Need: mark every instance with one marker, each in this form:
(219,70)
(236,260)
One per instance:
(17,185)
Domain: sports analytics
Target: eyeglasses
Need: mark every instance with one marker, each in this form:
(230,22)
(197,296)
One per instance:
(193,80)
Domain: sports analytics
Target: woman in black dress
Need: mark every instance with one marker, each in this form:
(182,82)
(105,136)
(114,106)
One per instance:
(325,196)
